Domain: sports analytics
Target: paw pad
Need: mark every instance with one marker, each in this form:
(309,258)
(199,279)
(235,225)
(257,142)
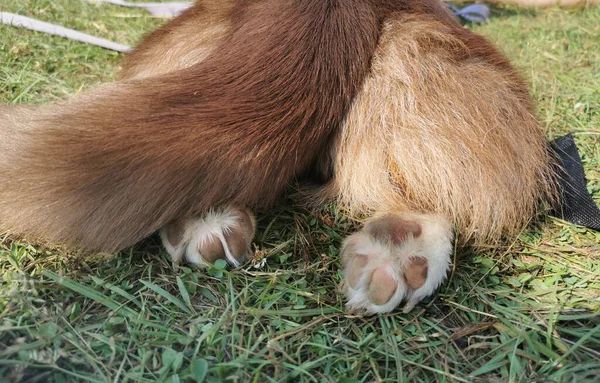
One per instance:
(382,287)
(219,234)
(395,258)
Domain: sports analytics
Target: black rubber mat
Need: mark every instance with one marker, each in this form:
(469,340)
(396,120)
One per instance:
(576,204)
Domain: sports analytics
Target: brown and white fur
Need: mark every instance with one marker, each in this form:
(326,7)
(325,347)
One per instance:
(412,119)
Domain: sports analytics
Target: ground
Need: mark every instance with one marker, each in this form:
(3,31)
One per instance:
(523,312)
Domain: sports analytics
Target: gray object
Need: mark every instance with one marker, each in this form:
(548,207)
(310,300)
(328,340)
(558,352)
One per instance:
(171,9)
(57,30)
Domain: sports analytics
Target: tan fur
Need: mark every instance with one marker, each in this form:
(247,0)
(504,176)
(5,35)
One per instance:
(443,124)
(185,41)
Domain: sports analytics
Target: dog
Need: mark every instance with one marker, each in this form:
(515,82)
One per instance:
(410,120)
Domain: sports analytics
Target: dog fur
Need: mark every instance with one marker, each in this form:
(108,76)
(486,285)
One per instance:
(397,105)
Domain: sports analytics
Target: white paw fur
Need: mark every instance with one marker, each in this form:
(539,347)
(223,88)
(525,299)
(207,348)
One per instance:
(224,233)
(394,258)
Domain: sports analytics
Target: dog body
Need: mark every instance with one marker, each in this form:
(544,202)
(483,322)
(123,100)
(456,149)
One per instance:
(410,118)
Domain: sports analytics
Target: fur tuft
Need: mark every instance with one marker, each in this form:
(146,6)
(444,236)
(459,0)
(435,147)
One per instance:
(443,124)
(181,43)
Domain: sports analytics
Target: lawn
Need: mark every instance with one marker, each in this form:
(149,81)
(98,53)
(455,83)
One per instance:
(528,311)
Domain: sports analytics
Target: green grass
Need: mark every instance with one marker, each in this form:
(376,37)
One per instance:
(525,312)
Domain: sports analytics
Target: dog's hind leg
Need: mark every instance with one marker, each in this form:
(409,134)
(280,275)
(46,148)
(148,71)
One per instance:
(442,126)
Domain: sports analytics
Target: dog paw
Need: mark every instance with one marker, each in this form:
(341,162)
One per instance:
(219,234)
(395,258)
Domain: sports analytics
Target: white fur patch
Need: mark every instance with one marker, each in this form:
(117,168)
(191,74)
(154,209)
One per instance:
(434,244)
(197,232)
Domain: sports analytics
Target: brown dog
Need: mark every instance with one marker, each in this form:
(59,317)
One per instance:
(412,119)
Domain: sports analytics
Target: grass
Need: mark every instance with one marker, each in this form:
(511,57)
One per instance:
(529,311)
